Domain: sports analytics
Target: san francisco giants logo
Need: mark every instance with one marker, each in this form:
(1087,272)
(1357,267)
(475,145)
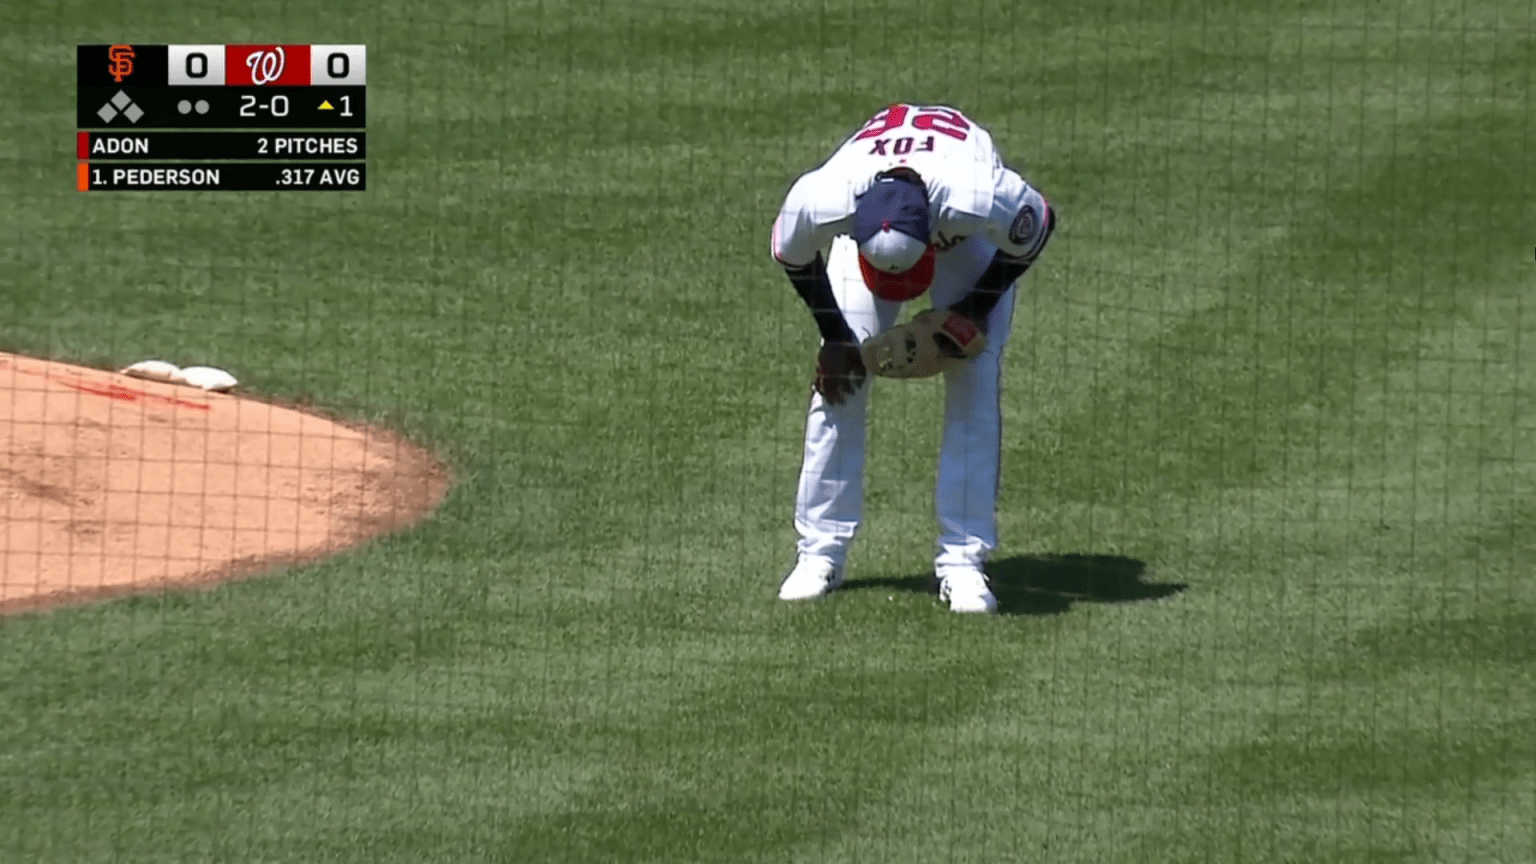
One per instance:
(121,65)
(266,66)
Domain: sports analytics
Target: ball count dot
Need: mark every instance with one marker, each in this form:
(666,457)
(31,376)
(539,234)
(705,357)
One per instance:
(183,106)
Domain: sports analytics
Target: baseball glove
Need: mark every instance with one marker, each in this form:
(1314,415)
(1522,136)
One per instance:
(930,343)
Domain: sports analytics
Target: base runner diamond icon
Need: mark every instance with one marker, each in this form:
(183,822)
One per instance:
(120,103)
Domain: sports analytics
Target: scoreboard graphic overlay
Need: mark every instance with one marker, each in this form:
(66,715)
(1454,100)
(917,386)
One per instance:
(221,118)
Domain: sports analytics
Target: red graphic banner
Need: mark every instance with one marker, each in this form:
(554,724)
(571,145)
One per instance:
(266,65)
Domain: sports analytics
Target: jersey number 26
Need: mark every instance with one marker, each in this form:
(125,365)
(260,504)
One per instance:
(944,121)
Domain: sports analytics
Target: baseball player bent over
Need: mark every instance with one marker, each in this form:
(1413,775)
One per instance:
(916,201)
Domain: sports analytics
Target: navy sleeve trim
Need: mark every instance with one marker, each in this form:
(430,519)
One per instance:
(999,276)
(813,286)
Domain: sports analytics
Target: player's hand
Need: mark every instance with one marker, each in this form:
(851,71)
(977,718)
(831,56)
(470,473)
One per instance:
(839,371)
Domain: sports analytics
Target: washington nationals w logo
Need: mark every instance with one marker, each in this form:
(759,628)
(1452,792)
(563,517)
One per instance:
(266,66)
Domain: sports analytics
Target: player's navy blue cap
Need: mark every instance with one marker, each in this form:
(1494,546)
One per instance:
(890,224)
(891,205)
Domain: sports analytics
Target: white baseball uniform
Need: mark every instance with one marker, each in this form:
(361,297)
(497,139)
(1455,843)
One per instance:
(978,208)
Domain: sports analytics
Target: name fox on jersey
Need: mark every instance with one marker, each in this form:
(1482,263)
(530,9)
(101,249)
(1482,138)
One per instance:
(901,146)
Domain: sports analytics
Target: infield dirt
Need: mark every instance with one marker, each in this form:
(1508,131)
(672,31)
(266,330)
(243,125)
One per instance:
(111,484)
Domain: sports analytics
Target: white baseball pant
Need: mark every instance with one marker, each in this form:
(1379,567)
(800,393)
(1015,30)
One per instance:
(829,504)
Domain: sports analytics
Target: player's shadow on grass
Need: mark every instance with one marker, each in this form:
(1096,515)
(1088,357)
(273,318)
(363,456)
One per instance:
(1049,584)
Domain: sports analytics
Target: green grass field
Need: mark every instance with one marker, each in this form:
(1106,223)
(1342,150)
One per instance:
(1272,383)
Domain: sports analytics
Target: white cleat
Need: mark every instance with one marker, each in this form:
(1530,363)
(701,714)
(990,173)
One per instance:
(967,591)
(811,578)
